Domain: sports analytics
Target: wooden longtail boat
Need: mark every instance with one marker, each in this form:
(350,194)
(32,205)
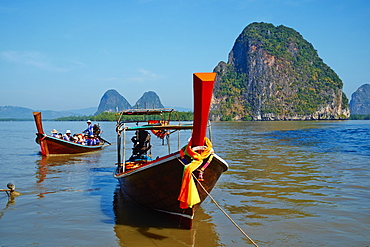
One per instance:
(53,146)
(177,183)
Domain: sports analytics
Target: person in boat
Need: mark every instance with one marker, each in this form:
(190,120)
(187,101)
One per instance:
(60,136)
(89,130)
(75,138)
(86,139)
(96,129)
(81,139)
(67,136)
(90,141)
(142,144)
(54,133)
(96,140)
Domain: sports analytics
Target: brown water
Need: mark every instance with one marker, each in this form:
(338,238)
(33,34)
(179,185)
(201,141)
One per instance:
(289,184)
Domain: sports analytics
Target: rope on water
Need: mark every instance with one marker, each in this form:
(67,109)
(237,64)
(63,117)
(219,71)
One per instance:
(241,230)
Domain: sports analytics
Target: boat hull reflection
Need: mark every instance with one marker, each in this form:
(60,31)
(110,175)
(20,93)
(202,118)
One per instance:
(138,226)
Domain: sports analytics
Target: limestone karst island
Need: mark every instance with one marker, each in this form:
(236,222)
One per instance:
(273,73)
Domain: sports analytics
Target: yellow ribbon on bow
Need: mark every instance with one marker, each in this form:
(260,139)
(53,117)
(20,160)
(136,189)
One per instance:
(189,195)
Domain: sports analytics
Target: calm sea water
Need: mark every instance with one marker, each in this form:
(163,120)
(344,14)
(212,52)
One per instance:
(289,184)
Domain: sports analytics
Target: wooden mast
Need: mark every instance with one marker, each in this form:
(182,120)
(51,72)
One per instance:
(40,133)
(203,88)
(37,117)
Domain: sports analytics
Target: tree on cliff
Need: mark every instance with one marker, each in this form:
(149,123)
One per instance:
(273,73)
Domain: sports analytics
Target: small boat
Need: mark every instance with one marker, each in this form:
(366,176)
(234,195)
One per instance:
(53,146)
(176,183)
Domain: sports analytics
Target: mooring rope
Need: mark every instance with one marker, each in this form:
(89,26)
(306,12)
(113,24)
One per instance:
(241,230)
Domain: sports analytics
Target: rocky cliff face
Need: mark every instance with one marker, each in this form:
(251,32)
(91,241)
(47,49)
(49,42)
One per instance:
(112,101)
(360,100)
(149,100)
(272,73)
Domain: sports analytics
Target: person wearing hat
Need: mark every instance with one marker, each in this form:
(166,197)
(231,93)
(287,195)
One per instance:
(54,133)
(67,136)
(90,140)
(75,138)
(89,131)
(81,139)
(96,140)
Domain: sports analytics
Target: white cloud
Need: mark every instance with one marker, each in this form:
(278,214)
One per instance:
(143,76)
(148,73)
(30,58)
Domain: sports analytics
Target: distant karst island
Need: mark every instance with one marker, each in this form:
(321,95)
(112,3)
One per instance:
(112,101)
(360,101)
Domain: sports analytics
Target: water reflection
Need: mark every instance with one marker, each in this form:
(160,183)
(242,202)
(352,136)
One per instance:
(274,173)
(60,168)
(136,226)
(47,165)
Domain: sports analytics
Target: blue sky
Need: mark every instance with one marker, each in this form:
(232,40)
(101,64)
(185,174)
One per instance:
(63,55)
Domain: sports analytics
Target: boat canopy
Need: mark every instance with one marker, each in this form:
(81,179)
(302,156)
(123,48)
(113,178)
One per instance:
(161,122)
(161,127)
(165,116)
(146,111)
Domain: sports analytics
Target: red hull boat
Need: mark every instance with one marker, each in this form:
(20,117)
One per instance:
(177,183)
(53,146)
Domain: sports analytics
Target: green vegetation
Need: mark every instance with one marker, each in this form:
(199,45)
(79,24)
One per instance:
(15,119)
(232,88)
(359,117)
(111,116)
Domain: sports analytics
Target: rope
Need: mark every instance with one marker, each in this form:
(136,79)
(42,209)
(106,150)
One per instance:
(223,211)
(189,195)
